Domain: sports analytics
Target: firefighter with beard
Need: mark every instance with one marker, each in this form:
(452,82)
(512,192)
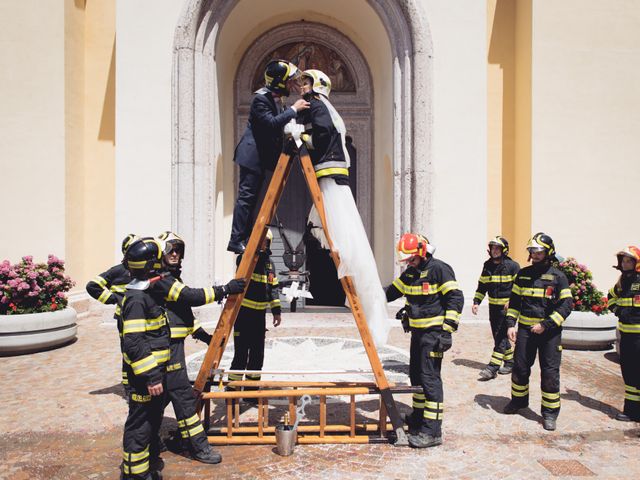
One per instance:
(109,288)
(540,302)
(179,300)
(496,280)
(433,307)
(250,326)
(624,301)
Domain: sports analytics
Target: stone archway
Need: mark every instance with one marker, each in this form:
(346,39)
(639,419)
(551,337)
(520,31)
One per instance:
(197,138)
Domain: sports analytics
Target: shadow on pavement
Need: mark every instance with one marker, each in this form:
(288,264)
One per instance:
(469,363)
(590,402)
(116,389)
(497,404)
(612,357)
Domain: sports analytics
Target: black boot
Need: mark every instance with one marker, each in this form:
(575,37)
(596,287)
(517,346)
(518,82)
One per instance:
(208,456)
(486,374)
(623,417)
(236,247)
(512,408)
(506,369)
(549,423)
(413,422)
(424,440)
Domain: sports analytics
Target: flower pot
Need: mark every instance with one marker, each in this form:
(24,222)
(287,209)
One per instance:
(33,332)
(588,331)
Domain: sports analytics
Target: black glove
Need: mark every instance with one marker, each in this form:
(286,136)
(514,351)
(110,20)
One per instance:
(404,318)
(234,286)
(444,342)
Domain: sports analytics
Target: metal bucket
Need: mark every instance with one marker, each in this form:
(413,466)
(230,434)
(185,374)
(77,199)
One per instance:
(286,437)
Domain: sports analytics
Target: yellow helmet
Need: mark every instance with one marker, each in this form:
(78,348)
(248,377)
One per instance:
(321,82)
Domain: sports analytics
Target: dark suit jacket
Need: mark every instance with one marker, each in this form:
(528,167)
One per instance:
(261,142)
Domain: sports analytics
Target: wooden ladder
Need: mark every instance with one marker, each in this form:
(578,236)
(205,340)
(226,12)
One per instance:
(247,265)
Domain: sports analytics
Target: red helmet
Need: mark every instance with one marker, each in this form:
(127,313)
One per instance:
(631,252)
(412,244)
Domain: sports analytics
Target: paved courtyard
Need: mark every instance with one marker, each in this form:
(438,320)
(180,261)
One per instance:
(63,412)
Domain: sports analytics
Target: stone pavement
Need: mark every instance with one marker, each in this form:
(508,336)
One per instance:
(63,412)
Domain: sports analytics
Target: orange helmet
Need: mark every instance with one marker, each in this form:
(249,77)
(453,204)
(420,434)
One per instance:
(412,244)
(631,252)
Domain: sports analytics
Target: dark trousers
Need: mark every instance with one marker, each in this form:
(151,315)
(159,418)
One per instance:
(140,429)
(502,350)
(548,346)
(424,370)
(248,342)
(249,186)
(181,395)
(630,366)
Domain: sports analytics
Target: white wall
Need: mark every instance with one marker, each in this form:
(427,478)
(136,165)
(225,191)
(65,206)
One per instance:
(32,109)
(144,42)
(458,30)
(585,124)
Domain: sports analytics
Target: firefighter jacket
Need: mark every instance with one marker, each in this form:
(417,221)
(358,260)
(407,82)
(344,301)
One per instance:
(179,298)
(624,301)
(540,294)
(144,335)
(109,287)
(262,292)
(496,281)
(324,142)
(434,299)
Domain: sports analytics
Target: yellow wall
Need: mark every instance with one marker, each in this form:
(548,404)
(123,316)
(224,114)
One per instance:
(509,122)
(89,136)
(32,128)
(585,125)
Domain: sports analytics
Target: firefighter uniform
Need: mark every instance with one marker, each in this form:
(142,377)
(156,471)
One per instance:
(496,281)
(250,326)
(433,304)
(624,300)
(540,295)
(179,299)
(145,349)
(109,288)
(325,144)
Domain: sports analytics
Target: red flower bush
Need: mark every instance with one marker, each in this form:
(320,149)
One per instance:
(586,296)
(28,287)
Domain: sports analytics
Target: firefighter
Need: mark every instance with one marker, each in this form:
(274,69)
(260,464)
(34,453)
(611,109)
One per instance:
(540,301)
(261,143)
(496,279)
(433,305)
(250,326)
(624,300)
(179,299)
(145,349)
(325,130)
(109,288)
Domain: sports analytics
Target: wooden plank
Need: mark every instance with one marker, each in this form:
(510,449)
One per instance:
(337,391)
(236,413)
(286,383)
(330,428)
(303,440)
(229,313)
(260,420)
(352,416)
(229,418)
(323,414)
(354,302)
(265,403)
(292,410)
(382,420)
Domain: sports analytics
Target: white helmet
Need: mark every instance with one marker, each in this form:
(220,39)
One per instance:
(321,82)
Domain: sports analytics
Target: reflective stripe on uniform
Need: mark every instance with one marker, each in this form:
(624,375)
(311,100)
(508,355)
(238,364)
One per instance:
(524,320)
(332,171)
(498,301)
(426,322)
(565,293)
(446,287)
(628,328)
(497,278)
(104,296)
(100,281)
(174,291)
(550,400)
(254,305)
(519,390)
(479,296)
(557,318)
(255,277)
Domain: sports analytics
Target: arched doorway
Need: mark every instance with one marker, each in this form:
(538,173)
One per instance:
(313,45)
(210,38)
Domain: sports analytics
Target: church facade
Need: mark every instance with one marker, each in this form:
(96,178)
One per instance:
(469,118)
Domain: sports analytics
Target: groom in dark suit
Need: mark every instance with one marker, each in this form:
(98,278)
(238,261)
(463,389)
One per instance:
(261,143)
